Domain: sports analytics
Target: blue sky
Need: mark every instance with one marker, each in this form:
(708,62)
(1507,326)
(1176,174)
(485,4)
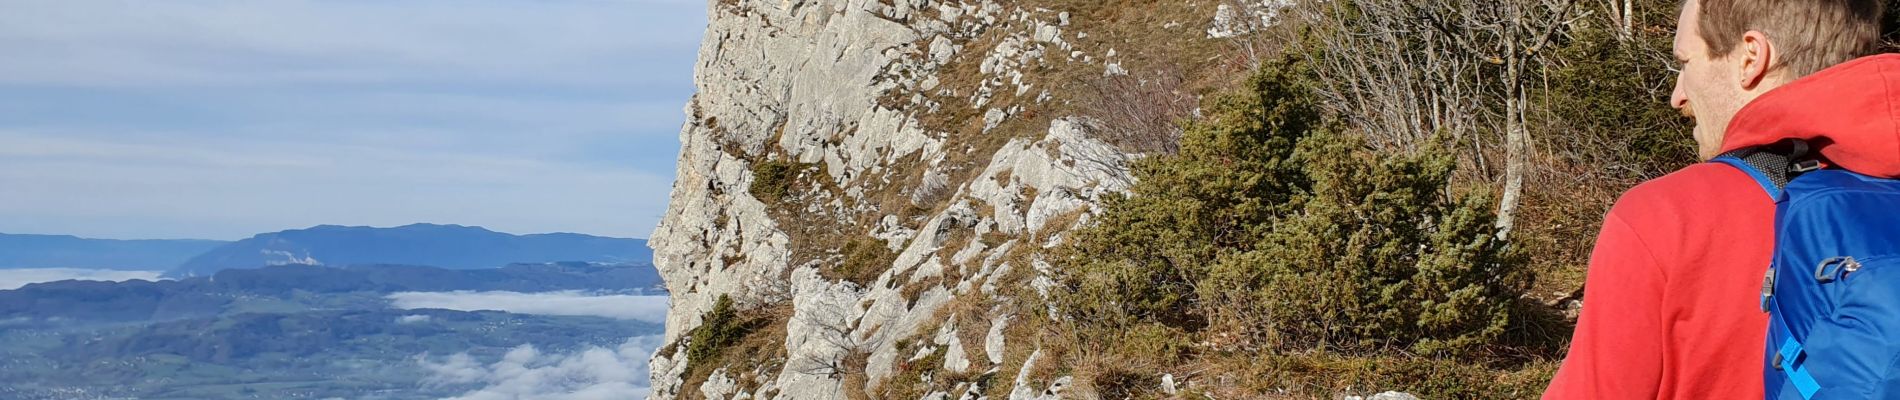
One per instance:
(220,119)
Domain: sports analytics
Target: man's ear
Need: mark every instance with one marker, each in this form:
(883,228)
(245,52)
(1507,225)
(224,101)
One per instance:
(1755,54)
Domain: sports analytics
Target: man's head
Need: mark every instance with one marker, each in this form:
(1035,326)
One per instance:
(1731,51)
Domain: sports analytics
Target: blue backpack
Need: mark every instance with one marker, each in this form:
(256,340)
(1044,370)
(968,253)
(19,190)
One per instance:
(1832,291)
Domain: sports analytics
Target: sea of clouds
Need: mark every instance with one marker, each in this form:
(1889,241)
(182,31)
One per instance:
(563,303)
(526,373)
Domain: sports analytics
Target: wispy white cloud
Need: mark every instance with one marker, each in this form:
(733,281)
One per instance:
(16,278)
(224,118)
(568,303)
(527,374)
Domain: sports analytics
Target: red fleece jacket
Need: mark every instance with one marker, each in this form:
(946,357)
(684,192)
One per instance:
(1671,306)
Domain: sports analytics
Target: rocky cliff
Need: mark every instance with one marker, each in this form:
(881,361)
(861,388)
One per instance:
(876,181)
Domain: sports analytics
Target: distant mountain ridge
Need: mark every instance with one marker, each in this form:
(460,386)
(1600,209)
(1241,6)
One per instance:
(65,251)
(447,246)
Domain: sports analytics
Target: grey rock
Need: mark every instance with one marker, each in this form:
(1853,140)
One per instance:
(1384,396)
(841,84)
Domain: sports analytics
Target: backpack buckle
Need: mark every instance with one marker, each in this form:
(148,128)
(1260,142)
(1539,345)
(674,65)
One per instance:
(1767,288)
(1835,268)
(1804,166)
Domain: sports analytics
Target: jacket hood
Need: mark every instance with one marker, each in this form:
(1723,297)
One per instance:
(1850,112)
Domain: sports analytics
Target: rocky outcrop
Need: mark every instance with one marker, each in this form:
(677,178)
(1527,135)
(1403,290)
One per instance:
(933,130)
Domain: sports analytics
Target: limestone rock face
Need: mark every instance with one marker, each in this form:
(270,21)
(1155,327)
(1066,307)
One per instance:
(846,91)
(877,185)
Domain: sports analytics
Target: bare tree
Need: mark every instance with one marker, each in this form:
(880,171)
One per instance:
(831,326)
(1390,73)
(1519,33)
(1623,15)
(1403,70)
(1140,112)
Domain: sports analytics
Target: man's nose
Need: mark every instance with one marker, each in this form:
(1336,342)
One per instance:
(1678,98)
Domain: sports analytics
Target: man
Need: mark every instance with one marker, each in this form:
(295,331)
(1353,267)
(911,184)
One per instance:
(1671,307)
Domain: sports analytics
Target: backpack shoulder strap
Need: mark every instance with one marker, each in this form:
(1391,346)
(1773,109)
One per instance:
(1772,166)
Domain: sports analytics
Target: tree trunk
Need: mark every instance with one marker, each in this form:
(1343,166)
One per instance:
(1516,156)
(1515,143)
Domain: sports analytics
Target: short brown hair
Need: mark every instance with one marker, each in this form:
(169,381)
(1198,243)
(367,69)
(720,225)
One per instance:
(1810,35)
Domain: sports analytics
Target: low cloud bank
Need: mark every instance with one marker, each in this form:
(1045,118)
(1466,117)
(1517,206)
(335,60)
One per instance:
(565,303)
(525,373)
(15,278)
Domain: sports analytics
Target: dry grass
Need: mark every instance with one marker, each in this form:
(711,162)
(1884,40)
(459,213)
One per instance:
(854,378)
(865,258)
(761,350)
(1323,376)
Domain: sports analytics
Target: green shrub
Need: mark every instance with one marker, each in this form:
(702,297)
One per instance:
(1378,255)
(772,180)
(1232,176)
(1270,230)
(718,328)
(743,341)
